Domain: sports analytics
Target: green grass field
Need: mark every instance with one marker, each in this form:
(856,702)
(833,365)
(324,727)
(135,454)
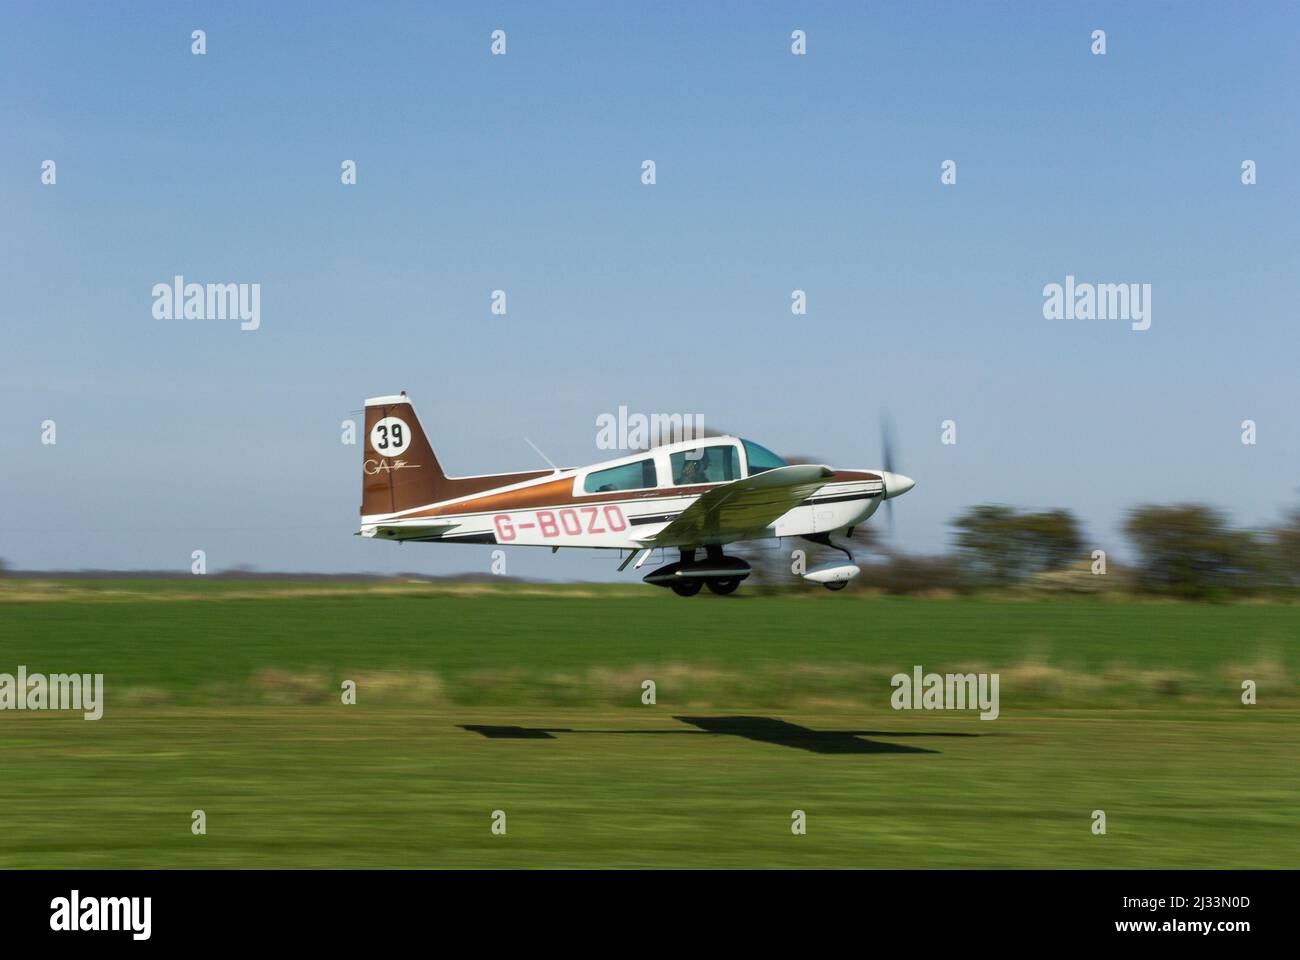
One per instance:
(225,696)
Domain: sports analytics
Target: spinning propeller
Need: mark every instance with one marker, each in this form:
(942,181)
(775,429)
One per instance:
(896,484)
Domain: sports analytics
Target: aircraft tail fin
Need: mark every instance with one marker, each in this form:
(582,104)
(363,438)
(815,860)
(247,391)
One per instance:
(400,469)
(401,472)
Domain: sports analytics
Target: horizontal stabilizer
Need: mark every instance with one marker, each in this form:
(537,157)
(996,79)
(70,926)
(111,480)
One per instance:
(405,531)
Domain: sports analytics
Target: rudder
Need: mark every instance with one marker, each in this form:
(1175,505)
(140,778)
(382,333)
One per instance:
(400,469)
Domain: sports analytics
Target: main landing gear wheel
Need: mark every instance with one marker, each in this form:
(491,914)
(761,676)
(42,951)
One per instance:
(838,585)
(722,573)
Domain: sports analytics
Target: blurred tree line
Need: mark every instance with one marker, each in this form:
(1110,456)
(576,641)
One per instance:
(1190,550)
(1184,550)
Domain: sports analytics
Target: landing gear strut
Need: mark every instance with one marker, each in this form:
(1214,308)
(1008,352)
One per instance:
(824,539)
(689,588)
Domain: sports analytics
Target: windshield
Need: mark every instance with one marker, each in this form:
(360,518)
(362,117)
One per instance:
(760,458)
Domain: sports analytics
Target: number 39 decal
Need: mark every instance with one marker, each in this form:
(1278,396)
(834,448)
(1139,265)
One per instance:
(390,436)
(569,522)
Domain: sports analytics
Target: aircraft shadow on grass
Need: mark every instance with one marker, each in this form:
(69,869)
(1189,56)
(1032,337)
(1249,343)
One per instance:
(761,729)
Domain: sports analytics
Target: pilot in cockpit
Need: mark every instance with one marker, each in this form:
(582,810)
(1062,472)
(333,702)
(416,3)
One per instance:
(695,469)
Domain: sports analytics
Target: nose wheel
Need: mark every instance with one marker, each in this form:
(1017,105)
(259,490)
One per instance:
(834,578)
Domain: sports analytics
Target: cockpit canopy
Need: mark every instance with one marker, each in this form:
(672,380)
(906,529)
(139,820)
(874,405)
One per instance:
(715,461)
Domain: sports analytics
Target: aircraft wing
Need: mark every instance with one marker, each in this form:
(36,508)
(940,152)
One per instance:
(742,506)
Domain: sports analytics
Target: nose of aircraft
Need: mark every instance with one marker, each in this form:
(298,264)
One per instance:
(896,484)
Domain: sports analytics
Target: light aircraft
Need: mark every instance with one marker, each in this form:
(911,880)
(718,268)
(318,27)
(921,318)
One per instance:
(690,496)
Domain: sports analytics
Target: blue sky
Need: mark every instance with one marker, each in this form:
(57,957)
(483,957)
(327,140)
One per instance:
(522,173)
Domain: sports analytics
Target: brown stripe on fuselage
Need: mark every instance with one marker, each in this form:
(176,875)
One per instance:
(559,493)
(464,486)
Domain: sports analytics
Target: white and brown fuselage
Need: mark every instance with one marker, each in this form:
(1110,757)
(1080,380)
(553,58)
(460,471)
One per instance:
(406,495)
